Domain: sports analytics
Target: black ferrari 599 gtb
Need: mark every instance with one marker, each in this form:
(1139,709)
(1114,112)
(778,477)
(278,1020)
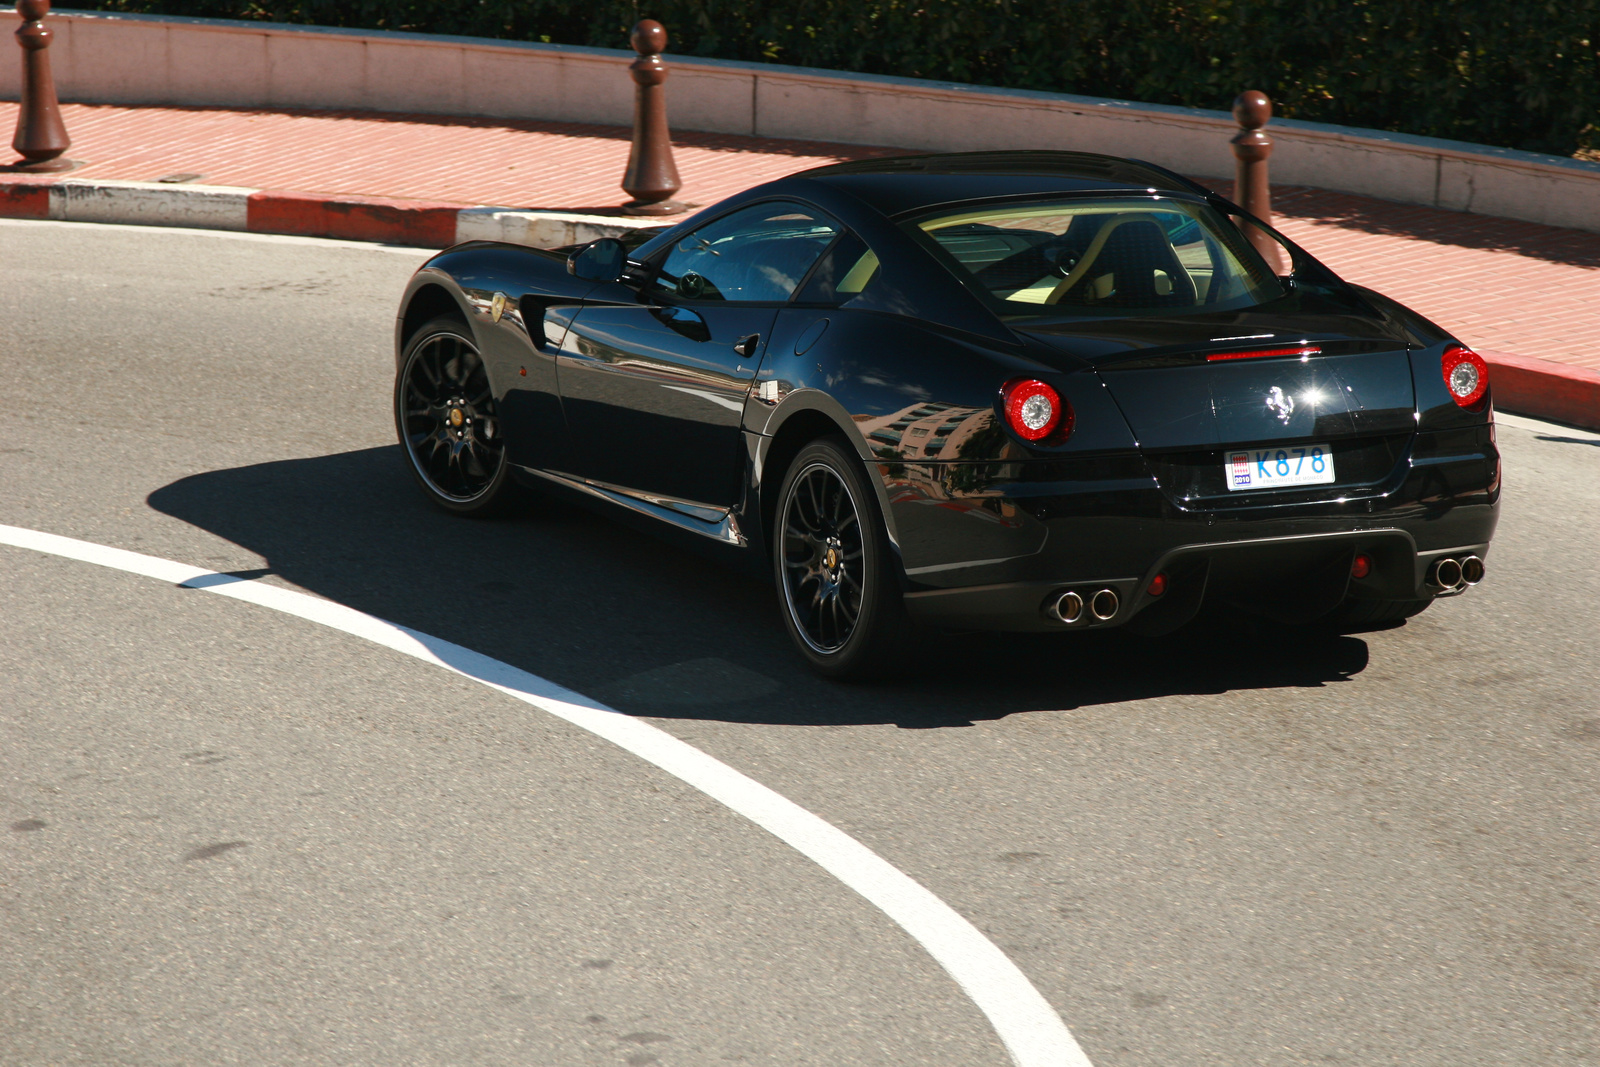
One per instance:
(995,391)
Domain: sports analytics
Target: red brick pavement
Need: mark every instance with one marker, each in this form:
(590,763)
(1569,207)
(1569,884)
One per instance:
(1500,285)
(550,165)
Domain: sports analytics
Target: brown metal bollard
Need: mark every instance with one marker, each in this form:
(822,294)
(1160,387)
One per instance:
(41,135)
(1251,190)
(651,177)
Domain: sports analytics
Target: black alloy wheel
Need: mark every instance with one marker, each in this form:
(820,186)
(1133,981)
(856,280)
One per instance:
(841,598)
(445,416)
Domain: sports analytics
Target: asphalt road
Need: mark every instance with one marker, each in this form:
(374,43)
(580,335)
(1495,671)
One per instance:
(231,836)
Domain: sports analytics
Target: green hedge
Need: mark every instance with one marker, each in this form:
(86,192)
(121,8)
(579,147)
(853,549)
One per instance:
(1517,73)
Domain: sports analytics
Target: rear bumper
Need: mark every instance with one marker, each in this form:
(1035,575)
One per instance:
(1291,579)
(991,546)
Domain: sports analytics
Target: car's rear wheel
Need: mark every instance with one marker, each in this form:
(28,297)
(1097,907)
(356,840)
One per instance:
(840,594)
(445,416)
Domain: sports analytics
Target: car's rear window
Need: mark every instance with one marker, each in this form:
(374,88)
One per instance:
(1148,255)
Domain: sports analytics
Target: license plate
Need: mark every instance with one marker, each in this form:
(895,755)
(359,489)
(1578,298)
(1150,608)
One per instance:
(1279,468)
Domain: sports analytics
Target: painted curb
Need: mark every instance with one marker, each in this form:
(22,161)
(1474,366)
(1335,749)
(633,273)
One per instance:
(543,229)
(422,223)
(418,222)
(205,207)
(1526,386)
(1553,391)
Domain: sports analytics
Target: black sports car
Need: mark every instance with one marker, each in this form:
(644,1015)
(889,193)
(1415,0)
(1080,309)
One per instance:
(1004,391)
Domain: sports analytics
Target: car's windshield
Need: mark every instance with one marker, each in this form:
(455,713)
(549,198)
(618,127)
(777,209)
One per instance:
(1100,256)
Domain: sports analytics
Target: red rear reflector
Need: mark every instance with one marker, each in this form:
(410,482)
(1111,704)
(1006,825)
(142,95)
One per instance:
(1158,585)
(1361,566)
(1264,353)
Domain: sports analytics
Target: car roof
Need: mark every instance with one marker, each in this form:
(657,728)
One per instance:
(899,185)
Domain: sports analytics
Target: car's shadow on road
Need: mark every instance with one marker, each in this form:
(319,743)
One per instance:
(652,629)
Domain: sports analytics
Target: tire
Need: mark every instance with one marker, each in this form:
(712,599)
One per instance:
(445,418)
(837,582)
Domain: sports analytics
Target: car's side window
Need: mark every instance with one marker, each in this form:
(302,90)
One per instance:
(758,254)
(843,272)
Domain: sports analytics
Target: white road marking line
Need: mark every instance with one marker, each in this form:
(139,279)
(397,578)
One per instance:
(1025,1022)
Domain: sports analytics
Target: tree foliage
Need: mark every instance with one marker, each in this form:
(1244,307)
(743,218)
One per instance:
(1516,73)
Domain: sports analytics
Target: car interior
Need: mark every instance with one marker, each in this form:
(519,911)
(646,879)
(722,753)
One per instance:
(1113,255)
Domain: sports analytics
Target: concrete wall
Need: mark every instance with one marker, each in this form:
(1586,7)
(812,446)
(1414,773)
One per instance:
(130,59)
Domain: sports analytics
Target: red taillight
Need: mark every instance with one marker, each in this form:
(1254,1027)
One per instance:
(1466,375)
(1361,566)
(1264,353)
(1158,585)
(1034,410)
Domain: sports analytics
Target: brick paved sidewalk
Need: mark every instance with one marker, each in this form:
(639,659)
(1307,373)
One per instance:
(1501,286)
(557,166)
(1498,284)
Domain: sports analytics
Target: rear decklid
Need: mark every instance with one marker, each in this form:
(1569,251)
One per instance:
(1196,407)
(1232,395)
(1333,419)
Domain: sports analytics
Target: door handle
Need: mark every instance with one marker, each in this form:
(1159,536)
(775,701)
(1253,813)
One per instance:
(746,346)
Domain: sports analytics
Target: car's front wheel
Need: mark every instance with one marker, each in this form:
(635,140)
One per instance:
(445,416)
(840,594)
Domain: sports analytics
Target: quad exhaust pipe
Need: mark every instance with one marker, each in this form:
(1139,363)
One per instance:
(1070,606)
(1451,575)
(1448,575)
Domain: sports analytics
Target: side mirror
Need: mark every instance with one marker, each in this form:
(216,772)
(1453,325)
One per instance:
(598,261)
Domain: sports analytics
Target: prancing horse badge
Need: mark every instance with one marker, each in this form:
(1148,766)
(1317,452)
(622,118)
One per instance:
(497,306)
(1278,402)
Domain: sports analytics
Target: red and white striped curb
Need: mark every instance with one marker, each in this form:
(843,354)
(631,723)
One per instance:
(425,224)
(1537,387)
